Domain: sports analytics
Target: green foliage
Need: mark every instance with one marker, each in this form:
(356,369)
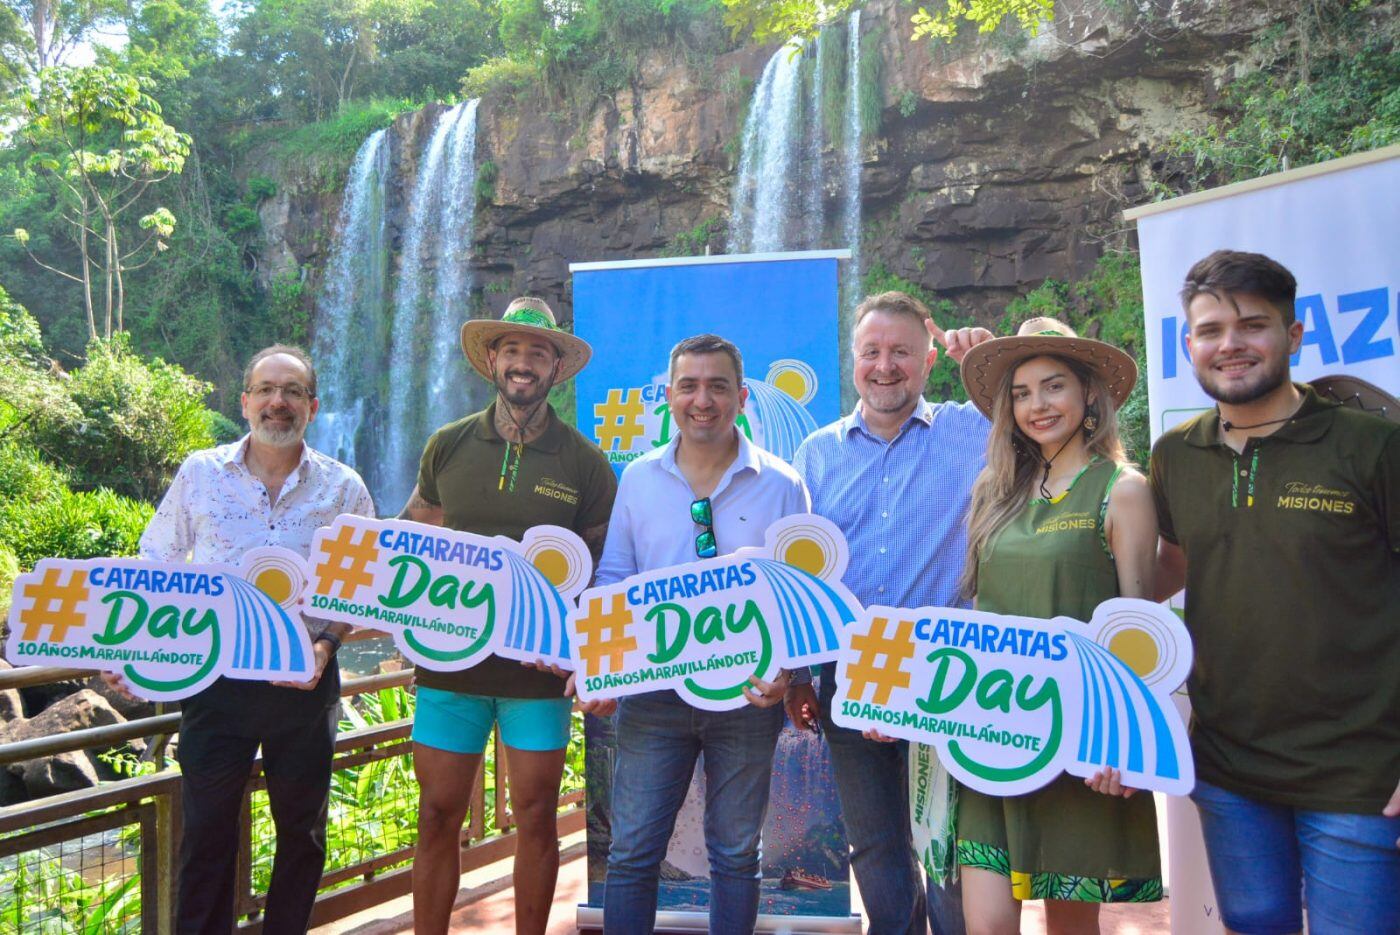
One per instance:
(1107,305)
(287,303)
(325,149)
(261,187)
(908,103)
(502,76)
(944,380)
(768,20)
(1325,86)
(74,524)
(137,421)
(486,175)
(870,91)
(694,241)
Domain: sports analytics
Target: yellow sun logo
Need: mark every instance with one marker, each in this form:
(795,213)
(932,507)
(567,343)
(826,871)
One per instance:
(564,562)
(809,547)
(1143,644)
(795,378)
(278,573)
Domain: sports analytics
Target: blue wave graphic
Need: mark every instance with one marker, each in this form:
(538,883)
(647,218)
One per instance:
(812,611)
(264,633)
(1110,685)
(536,622)
(785,421)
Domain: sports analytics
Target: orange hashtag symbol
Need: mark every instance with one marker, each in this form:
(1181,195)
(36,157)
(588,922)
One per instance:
(867,670)
(346,562)
(55,606)
(616,644)
(618,421)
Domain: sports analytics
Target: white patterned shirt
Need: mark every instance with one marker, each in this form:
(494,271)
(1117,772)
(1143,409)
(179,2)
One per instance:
(216,509)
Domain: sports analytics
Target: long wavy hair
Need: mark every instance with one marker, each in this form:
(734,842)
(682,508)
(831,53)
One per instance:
(1014,462)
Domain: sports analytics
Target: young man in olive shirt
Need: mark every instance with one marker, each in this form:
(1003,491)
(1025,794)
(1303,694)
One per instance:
(1281,514)
(500,472)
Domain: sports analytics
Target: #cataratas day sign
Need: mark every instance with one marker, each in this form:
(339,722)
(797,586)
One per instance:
(450,598)
(703,628)
(1011,702)
(168,628)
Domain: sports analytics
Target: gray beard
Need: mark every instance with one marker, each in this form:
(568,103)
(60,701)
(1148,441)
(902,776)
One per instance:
(279,438)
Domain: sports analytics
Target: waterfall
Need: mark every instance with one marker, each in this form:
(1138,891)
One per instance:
(851,150)
(352,303)
(789,163)
(427,375)
(760,205)
(390,362)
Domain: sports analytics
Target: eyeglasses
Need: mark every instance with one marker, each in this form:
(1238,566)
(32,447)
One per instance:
(702,515)
(291,392)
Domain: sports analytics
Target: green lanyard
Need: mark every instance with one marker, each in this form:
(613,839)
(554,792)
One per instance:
(1235,476)
(512,467)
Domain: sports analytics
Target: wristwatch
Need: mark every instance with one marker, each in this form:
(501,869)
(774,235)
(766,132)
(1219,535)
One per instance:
(331,638)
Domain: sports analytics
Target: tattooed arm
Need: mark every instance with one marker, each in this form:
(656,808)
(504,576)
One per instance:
(421,511)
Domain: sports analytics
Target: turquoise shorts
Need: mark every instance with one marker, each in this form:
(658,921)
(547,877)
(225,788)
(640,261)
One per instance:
(460,723)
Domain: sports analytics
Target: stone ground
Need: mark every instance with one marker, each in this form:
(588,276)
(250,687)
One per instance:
(486,904)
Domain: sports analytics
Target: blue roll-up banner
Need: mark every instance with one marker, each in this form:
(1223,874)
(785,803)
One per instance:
(781,310)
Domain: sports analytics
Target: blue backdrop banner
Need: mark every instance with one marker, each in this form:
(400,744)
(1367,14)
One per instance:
(781,311)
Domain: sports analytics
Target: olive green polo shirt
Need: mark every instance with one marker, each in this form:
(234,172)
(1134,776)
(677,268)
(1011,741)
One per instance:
(563,479)
(1293,602)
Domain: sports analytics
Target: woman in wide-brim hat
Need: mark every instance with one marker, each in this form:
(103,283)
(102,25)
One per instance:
(1059,522)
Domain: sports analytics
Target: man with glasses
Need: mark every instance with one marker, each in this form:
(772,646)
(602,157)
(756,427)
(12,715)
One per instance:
(499,472)
(267,488)
(709,492)
(896,476)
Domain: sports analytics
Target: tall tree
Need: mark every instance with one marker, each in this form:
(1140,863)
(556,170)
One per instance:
(57,27)
(101,142)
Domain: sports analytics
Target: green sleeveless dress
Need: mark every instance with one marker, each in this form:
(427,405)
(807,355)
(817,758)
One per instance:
(1063,841)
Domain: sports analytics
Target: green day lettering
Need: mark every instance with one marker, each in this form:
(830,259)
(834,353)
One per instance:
(1009,703)
(707,629)
(449,598)
(169,629)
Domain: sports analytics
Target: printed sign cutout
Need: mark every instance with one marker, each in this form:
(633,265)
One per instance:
(450,598)
(169,628)
(1011,702)
(704,627)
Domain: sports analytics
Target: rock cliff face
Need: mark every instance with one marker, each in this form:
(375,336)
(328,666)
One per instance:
(999,161)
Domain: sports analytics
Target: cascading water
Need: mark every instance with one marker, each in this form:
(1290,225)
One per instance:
(427,376)
(391,366)
(785,177)
(352,304)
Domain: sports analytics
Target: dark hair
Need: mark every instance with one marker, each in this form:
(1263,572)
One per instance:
(709,344)
(1225,272)
(894,303)
(291,350)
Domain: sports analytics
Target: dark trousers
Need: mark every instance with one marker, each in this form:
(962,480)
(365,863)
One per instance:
(220,732)
(872,782)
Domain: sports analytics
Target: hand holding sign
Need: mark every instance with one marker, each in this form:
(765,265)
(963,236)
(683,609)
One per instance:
(1011,702)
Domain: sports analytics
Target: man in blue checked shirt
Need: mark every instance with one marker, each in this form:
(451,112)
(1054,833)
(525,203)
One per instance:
(896,476)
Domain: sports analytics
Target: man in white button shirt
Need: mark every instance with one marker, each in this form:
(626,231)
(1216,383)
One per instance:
(707,493)
(268,488)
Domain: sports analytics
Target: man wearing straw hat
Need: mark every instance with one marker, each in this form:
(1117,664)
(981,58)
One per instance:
(501,471)
(1280,511)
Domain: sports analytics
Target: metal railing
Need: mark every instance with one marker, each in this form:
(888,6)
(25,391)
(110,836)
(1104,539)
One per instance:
(107,854)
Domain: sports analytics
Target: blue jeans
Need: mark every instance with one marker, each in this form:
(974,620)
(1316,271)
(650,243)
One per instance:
(1265,859)
(872,781)
(659,738)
